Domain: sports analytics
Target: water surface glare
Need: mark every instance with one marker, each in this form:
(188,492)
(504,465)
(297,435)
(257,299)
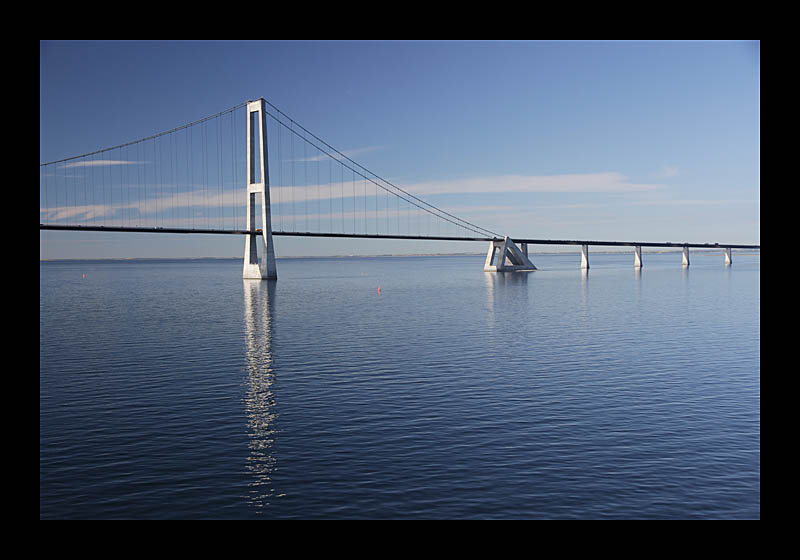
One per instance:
(175,389)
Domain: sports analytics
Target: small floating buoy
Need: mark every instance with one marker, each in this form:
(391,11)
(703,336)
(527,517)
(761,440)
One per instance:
(84,275)
(379,290)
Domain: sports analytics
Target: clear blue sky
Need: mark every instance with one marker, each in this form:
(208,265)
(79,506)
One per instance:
(645,141)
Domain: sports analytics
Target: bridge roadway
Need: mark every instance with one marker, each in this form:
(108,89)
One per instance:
(391,236)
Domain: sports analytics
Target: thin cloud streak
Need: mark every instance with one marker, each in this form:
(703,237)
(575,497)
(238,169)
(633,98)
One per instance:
(606,182)
(336,157)
(100,163)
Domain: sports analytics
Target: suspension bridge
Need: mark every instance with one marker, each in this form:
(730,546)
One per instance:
(200,178)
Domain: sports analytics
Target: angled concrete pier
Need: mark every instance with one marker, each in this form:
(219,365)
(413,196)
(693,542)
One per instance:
(258,184)
(505,256)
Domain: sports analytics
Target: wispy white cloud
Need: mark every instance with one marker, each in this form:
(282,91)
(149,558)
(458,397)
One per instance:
(149,206)
(688,202)
(339,196)
(99,163)
(343,198)
(605,182)
(349,153)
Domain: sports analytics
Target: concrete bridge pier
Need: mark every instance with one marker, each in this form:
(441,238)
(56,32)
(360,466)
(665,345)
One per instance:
(685,255)
(728,260)
(505,256)
(585,257)
(637,256)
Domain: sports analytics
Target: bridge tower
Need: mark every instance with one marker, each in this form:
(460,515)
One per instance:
(258,184)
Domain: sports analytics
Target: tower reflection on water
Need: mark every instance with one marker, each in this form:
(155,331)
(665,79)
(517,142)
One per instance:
(260,404)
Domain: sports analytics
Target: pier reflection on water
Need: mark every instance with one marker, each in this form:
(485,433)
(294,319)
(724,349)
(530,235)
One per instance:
(259,402)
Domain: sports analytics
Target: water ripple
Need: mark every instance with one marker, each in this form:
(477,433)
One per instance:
(175,391)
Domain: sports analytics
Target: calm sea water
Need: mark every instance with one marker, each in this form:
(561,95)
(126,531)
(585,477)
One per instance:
(175,389)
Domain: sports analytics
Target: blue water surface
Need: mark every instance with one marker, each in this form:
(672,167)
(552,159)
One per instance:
(401,387)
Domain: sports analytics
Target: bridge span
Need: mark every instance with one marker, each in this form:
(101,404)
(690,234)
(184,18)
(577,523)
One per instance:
(189,180)
(523,242)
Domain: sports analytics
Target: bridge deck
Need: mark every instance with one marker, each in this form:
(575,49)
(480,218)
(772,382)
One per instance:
(390,236)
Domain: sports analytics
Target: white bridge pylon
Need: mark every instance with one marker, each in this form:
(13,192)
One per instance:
(505,256)
(258,184)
